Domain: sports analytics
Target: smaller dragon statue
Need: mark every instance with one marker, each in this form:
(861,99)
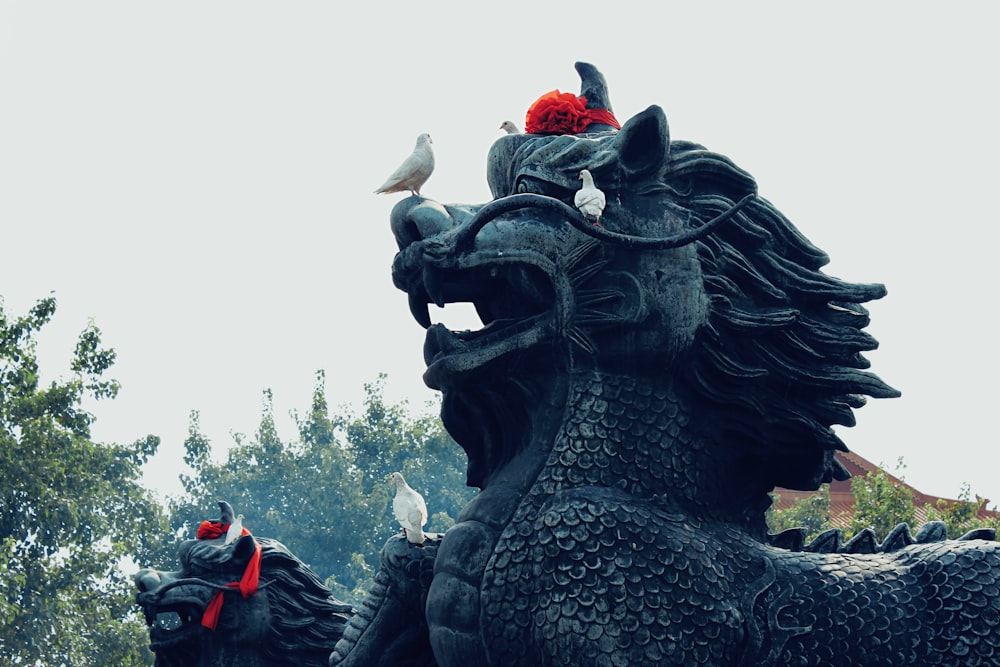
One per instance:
(247,602)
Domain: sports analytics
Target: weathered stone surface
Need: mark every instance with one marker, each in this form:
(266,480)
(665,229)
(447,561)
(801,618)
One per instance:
(288,617)
(638,389)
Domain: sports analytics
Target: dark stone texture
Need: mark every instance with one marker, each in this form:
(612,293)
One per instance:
(638,390)
(292,620)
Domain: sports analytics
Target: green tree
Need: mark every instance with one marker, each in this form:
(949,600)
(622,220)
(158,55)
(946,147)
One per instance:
(71,510)
(880,503)
(325,495)
(812,513)
(962,515)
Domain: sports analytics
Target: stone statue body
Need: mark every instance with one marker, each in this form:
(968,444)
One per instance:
(291,621)
(637,391)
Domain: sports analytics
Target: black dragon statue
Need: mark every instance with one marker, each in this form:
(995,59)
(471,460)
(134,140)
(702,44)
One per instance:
(646,374)
(239,601)
(638,388)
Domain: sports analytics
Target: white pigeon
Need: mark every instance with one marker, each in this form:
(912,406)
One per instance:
(415,170)
(235,530)
(510,127)
(589,199)
(409,509)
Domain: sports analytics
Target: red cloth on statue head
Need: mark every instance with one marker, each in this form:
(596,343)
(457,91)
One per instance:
(564,113)
(247,584)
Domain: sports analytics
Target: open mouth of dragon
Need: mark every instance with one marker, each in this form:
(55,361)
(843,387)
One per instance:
(512,299)
(172,624)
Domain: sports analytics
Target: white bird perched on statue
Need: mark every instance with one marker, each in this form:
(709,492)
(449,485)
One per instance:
(409,509)
(589,199)
(235,530)
(415,170)
(510,127)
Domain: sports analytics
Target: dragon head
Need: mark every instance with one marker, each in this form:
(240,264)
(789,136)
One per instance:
(690,275)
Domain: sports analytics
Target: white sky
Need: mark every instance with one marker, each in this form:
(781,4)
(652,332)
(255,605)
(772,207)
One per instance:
(197,178)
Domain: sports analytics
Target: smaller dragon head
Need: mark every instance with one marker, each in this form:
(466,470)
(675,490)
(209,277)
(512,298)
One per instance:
(238,603)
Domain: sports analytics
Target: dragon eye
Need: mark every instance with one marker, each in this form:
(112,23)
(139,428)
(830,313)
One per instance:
(529,184)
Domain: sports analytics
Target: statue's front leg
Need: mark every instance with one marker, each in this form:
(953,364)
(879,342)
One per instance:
(389,627)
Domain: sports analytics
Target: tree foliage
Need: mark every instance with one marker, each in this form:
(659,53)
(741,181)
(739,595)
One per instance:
(70,509)
(962,515)
(325,495)
(812,513)
(880,503)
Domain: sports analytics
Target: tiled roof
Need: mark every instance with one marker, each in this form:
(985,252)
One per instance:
(842,498)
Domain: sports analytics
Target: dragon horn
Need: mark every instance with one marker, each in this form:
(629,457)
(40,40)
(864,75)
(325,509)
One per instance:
(593,86)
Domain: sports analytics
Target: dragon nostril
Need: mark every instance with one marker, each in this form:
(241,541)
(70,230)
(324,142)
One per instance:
(146,580)
(415,219)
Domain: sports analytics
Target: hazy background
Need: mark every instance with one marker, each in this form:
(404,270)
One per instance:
(197,179)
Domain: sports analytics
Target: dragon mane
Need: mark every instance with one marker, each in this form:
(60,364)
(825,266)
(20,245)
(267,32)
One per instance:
(305,618)
(781,356)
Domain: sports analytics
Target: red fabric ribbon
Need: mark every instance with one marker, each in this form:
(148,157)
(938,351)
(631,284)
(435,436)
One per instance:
(603,117)
(209,530)
(247,584)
